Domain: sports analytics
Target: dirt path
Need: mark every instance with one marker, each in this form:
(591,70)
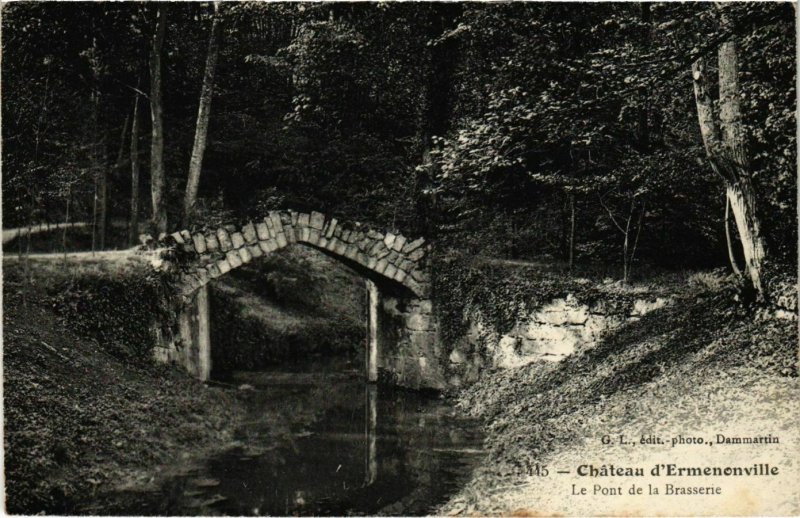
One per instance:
(105,255)
(12,233)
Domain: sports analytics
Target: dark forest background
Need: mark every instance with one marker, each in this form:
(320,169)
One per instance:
(565,132)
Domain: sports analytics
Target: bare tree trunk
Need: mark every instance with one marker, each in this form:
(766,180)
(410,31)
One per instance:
(102,197)
(742,199)
(731,256)
(636,240)
(435,110)
(66,223)
(94,218)
(740,191)
(627,232)
(157,175)
(644,95)
(99,173)
(122,141)
(203,115)
(133,227)
(571,231)
(101,202)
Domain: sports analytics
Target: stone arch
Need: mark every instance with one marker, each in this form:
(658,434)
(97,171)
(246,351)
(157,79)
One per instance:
(403,333)
(385,255)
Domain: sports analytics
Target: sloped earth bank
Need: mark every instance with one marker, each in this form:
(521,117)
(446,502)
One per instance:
(79,421)
(87,413)
(699,368)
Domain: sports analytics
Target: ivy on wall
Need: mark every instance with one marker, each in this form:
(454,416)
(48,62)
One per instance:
(504,293)
(122,312)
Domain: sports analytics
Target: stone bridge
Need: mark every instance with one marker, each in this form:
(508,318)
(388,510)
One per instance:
(402,337)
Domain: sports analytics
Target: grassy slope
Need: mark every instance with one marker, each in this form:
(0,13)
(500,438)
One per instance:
(701,366)
(80,421)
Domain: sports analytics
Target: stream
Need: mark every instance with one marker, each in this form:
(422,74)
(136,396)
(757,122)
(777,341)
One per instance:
(321,441)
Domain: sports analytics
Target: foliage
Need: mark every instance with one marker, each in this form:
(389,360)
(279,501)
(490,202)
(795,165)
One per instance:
(289,280)
(284,308)
(610,116)
(244,342)
(541,111)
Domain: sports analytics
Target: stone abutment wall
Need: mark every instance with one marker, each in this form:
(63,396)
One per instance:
(191,347)
(408,340)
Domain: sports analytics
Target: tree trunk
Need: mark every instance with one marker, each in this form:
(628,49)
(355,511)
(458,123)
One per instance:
(94,217)
(705,114)
(122,141)
(742,199)
(728,156)
(203,115)
(97,155)
(740,191)
(103,186)
(435,109)
(133,227)
(643,129)
(626,233)
(636,240)
(102,197)
(571,231)
(66,223)
(731,255)
(157,175)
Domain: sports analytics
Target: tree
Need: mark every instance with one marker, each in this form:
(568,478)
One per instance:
(520,115)
(725,147)
(436,106)
(133,224)
(157,174)
(203,115)
(97,154)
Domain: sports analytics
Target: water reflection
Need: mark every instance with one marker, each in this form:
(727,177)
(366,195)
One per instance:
(316,443)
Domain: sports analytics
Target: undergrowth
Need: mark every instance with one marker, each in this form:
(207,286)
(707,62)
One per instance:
(286,307)
(244,341)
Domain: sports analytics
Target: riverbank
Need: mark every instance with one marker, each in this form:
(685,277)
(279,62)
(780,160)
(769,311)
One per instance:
(85,415)
(702,367)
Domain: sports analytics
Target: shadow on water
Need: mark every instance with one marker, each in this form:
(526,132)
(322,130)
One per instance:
(321,441)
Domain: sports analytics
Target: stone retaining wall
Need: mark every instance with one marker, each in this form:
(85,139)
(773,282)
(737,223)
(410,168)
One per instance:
(551,333)
(191,347)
